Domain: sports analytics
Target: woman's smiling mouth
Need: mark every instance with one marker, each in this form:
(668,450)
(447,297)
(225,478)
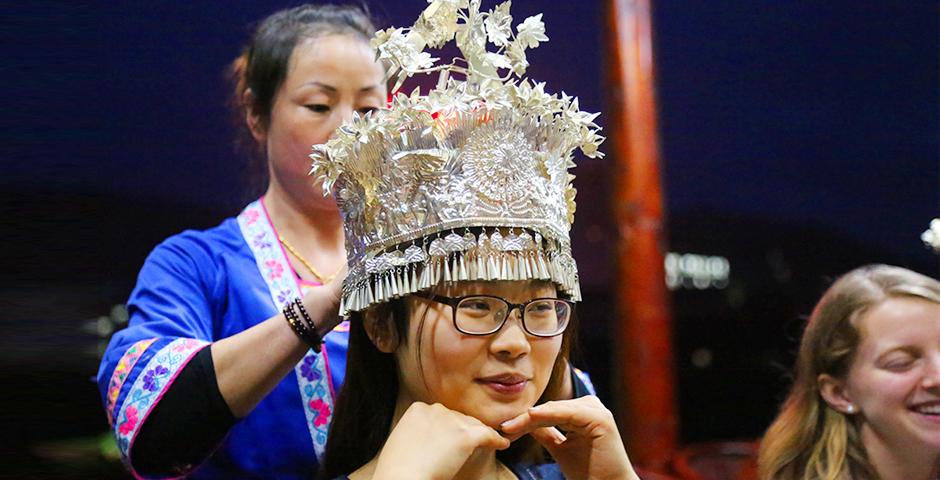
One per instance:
(506,384)
(931,410)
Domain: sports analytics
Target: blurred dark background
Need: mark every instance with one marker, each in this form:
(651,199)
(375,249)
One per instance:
(799,140)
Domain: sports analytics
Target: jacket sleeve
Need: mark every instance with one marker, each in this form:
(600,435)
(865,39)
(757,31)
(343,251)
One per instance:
(167,444)
(171,320)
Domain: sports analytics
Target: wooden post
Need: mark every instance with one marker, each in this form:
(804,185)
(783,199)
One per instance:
(643,328)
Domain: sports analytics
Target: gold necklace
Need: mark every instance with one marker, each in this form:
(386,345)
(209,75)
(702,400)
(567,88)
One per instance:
(290,248)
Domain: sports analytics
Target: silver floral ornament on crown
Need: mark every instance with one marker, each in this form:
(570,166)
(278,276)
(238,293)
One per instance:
(467,182)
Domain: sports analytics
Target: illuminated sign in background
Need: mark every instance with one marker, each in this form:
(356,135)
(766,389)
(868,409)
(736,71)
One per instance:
(699,272)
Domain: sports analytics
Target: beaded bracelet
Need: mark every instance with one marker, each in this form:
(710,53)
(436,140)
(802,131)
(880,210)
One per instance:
(313,339)
(303,327)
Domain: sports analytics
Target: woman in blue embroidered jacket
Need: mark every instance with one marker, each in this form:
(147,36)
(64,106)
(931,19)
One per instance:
(208,365)
(205,309)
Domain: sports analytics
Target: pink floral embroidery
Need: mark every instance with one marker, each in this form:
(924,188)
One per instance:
(125,363)
(322,411)
(275,269)
(186,344)
(128,425)
(120,372)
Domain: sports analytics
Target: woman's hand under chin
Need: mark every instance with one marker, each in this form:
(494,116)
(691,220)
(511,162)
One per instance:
(591,447)
(433,442)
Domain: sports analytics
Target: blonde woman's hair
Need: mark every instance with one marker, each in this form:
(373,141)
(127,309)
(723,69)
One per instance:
(809,440)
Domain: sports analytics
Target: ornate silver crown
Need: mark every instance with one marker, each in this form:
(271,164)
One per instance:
(468,182)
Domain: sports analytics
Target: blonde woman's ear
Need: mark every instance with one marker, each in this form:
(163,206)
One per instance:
(834,393)
(381,331)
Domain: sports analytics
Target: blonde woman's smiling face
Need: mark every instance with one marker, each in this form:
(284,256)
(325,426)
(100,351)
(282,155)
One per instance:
(894,380)
(493,377)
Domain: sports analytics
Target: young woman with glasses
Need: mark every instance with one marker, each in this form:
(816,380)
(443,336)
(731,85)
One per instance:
(445,383)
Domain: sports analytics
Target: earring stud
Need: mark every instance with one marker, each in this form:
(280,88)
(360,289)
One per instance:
(850,409)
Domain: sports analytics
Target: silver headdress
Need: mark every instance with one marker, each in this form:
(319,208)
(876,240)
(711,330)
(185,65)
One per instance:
(468,182)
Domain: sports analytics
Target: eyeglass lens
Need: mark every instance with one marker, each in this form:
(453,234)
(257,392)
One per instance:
(481,315)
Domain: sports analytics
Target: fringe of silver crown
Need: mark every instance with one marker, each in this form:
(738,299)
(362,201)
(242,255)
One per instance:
(454,257)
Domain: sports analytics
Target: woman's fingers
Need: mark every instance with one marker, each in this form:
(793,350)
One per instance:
(481,434)
(491,439)
(548,436)
(589,448)
(322,304)
(515,428)
(434,440)
(441,419)
(335,286)
(585,415)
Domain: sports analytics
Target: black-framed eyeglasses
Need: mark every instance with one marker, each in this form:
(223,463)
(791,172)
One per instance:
(486,314)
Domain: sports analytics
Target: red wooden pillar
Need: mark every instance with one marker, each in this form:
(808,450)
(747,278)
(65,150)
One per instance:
(643,328)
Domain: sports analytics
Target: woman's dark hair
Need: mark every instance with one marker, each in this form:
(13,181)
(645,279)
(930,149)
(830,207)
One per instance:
(362,418)
(262,65)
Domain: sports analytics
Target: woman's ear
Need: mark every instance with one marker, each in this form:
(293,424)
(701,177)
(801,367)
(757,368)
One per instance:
(833,391)
(252,119)
(381,330)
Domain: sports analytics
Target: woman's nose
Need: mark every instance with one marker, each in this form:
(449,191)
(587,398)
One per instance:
(931,379)
(511,340)
(345,114)
(341,114)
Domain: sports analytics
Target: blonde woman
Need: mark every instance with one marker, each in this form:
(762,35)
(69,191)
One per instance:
(866,400)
